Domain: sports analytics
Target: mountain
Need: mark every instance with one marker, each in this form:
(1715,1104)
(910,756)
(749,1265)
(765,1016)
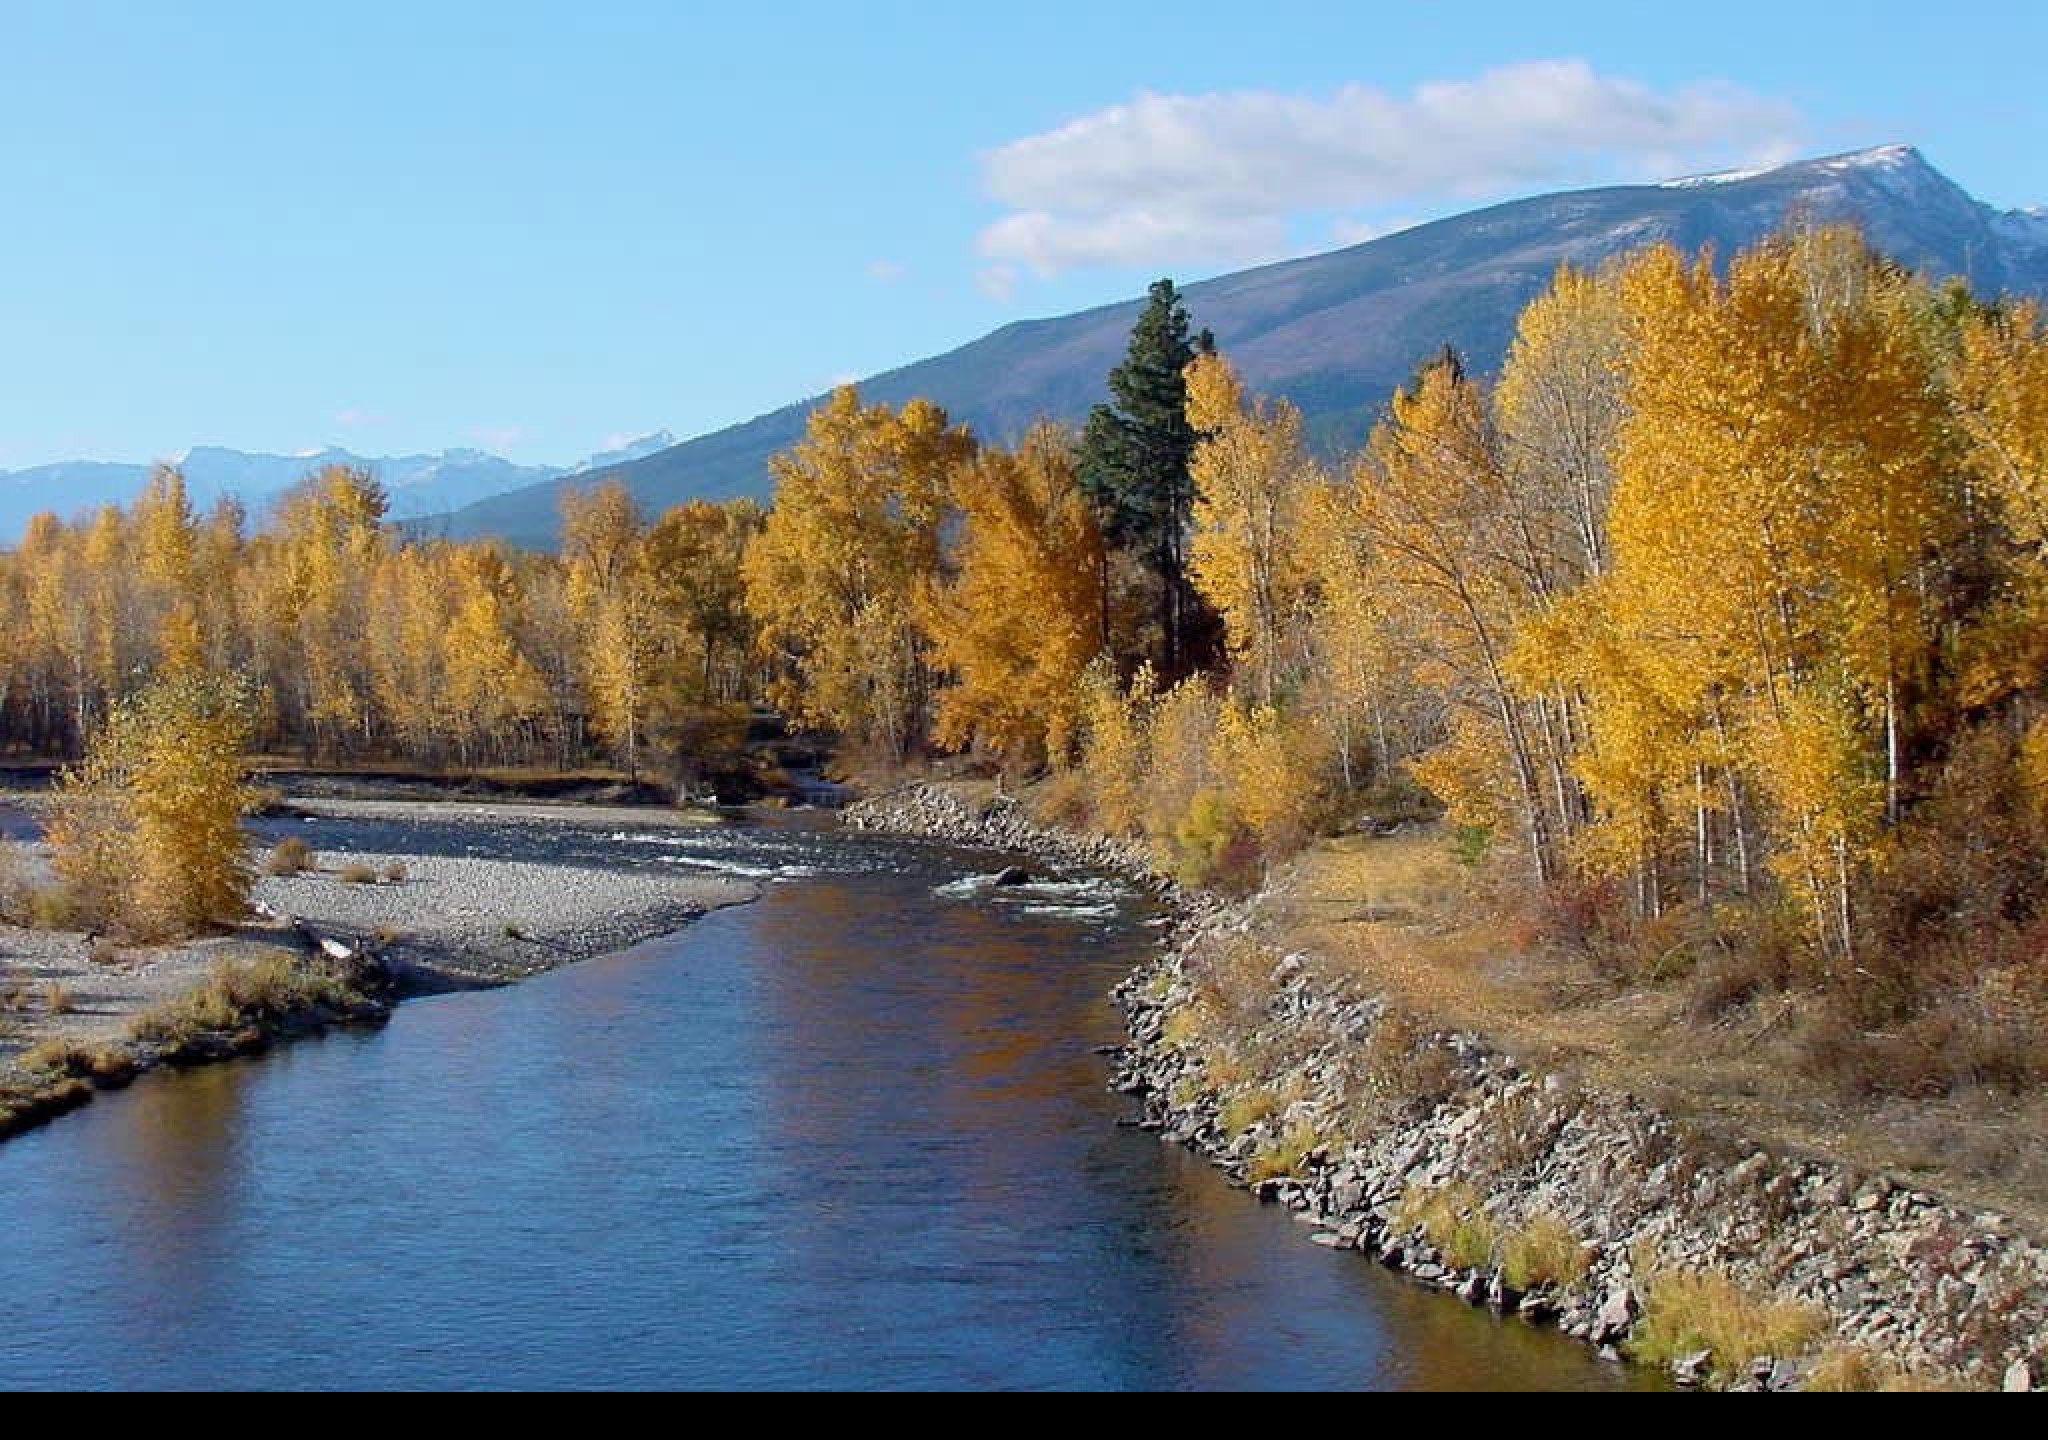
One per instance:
(419,485)
(1337,333)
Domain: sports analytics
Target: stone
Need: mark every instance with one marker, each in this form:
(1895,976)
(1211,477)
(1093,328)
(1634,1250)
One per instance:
(1691,1371)
(2019,1378)
(1617,1314)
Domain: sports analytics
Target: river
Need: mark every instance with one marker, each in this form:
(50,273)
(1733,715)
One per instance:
(852,1136)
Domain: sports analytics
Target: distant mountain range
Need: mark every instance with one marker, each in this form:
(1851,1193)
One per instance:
(1337,333)
(419,485)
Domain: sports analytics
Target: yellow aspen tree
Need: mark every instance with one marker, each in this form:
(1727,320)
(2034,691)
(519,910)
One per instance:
(166,574)
(1253,479)
(492,690)
(694,558)
(834,576)
(405,635)
(609,598)
(1116,763)
(330,535)
(146,831)
(1560,402)
(1020,620)
(1433,503)
(2002,393)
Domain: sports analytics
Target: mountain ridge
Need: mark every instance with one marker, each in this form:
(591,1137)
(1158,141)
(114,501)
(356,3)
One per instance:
(1338,331)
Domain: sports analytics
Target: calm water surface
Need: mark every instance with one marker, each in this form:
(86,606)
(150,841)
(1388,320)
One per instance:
(851,1136)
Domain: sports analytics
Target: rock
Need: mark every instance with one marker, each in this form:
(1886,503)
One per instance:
(1691,1371)
(1617,1314)
(2019,1378)
(1785,1377)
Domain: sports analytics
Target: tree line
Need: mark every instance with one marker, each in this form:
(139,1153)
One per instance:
(358,643)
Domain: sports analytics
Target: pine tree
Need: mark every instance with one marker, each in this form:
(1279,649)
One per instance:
(1135,457)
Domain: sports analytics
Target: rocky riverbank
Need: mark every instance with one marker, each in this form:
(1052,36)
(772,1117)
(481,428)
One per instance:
(1431,1151)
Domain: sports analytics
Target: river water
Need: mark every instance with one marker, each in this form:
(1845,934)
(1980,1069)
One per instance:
(852,1136)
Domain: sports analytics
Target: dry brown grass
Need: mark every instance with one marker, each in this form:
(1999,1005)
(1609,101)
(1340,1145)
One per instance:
(1285,1156)
(1400,917)
(259,986)
(1455,1222)
(1543,1254)
(102,1064)
(1686,1312)
(290,856)
(1851,1370)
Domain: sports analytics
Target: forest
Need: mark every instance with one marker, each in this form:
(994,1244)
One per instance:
(1716,624)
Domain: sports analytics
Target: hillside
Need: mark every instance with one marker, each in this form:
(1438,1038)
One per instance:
(1336,333)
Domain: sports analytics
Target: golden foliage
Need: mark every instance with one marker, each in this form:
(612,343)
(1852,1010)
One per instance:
(834,577)
(146,832)
(1022,617)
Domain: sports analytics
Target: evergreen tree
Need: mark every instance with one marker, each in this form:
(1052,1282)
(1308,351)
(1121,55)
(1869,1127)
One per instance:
(1135,457)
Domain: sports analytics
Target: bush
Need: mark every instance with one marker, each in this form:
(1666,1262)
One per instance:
(290,856)
(1453,1221)
(267,985)
(395,873)
(56,999)
(1285,1156)
(1686,1312)
(357,873)
(1543,1255)
(105,1065)
(146,831)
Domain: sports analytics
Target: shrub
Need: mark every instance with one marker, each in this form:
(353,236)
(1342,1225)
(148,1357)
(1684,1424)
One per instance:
(1543,1255)
(1687,1311)
(395,873)
(1454,1222)
(290,856)
(357,873)
(266,985)
(105,1065)
(1249,1109)
(1854,1371)
(56,999)
(1285,1156)
(146,831)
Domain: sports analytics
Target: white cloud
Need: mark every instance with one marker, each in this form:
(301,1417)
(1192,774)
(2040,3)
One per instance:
(1221,177)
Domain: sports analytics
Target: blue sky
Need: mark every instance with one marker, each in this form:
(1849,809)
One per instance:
(536,228)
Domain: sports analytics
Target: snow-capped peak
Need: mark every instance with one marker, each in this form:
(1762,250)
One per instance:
(1719,177)
(1881,159)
